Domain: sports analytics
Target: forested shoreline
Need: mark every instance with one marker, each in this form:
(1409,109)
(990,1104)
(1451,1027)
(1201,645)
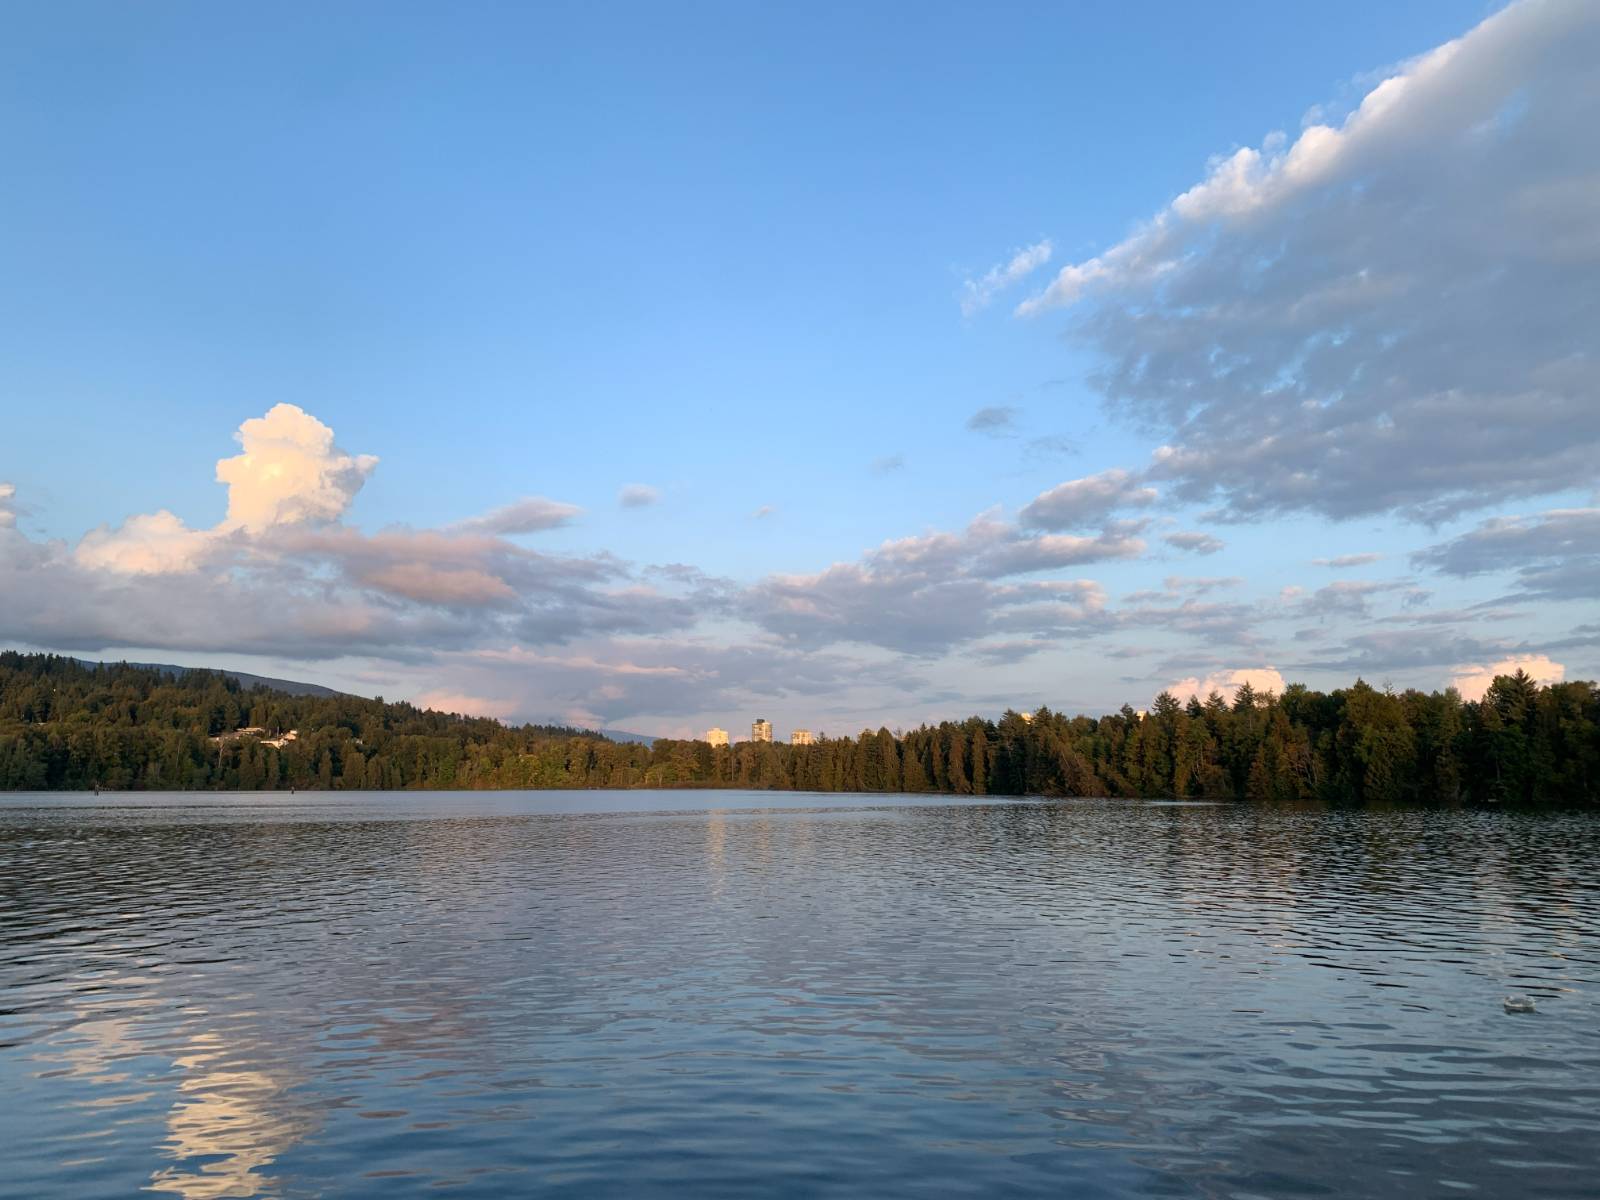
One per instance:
(66,725)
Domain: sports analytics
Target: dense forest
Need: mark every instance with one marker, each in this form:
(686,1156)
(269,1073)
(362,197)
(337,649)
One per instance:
(68,725)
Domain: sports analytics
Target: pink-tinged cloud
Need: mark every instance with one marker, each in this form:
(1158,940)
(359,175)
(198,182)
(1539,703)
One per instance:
(1261,679)
(1473,681)
(444,700)
(439,585)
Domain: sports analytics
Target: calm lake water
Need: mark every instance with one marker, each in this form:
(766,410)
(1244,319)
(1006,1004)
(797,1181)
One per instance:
(635,994)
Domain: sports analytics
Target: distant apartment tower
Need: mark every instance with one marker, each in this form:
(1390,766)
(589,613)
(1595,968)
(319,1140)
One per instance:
(717,737)
(801,737)
(761,730)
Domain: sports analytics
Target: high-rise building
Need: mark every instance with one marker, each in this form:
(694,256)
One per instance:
(801,737)
(761,730)
(717,737)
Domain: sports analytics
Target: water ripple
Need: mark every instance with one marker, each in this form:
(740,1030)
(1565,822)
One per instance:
(501,993)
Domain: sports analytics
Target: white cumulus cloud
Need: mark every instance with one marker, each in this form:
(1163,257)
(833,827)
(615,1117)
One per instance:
(1473,681)
(148,544)
(1226,683)
(289,471)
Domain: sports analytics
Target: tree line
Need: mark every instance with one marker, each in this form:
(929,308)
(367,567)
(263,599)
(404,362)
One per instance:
(69,725)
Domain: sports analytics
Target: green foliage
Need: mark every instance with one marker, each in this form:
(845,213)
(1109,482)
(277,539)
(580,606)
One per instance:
(64,725)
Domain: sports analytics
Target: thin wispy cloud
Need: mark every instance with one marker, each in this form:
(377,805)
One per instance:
(998,420)
(1193,542)
(978,294)
(638,495)
(1050,447)
(532,514)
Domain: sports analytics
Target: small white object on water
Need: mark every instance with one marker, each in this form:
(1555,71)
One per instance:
(1518,1004)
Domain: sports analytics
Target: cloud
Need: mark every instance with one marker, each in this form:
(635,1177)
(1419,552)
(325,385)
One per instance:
(440,585)
(1129,651)
(1081,502)
(1449,616)
(1225,683)
(1555,555)
(1394,313)
(765,511)
(317,593)
(1019,555)
(289,472)
(489,620)
(148,544)
(8,512)
(1005,654)
(601,684)
(1347,560)
(931,594)
(283,576)
(927,594)
(1473,681)
(609,640)
(1508,543)
(531,514)
(1201,584)
(887,464)
(444,700)
(996,420)
(1344,598)
(1193,543)
(54,600)
(637,495)
(1050,446)
(1055,609)
(1378,652)
(977,294)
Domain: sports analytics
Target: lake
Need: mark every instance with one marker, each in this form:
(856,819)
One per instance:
(768,994)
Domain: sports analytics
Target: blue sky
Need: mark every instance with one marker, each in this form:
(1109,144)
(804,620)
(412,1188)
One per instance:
(721,251)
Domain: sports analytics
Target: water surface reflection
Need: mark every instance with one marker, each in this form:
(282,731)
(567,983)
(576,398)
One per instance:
(373,995)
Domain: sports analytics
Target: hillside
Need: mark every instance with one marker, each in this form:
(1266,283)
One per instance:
(67,725)
(243,678)
(295,687)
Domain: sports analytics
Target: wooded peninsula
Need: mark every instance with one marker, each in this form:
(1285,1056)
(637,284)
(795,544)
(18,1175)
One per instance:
(67,725)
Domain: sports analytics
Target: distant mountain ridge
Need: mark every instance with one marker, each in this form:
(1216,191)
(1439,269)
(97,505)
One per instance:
(244,678)
(622,735)
(296,688)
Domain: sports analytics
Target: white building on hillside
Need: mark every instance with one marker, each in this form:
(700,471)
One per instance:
(761,730)
(801,737)
(717,737)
